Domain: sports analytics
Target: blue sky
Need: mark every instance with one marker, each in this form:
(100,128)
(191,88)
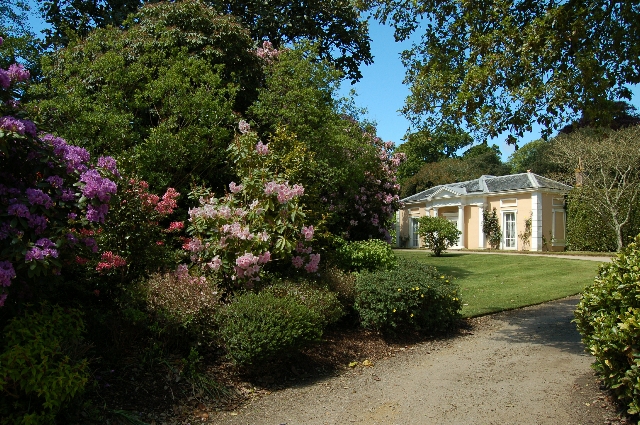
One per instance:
(382,93)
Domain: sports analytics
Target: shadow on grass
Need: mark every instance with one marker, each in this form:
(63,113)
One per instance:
(548,324)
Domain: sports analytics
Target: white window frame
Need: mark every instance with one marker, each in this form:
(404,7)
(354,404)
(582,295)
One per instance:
(515,229)
(554,240)
(414,238)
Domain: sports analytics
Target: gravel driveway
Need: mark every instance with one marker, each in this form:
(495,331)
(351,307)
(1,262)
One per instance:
(525,366)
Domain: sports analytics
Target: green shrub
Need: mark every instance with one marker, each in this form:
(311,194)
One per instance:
(318,299)
(438,233)
(40,372)
(491,228)
(413,295)
(181,300)
(372,254)
(341,282)
(608,317)
(258,327)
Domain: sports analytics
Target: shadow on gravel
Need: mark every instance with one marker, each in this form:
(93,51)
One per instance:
(547,324)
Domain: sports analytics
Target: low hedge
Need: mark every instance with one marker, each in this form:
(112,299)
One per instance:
(255,328)
(412,295)
(608,317)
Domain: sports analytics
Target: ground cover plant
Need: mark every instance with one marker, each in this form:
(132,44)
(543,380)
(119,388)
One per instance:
(492,283)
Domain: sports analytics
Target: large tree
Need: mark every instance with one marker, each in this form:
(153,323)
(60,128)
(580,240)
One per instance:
(607,164)
(426,146)
(161,96)
(20,43)
(336,25)
(476,161)
(504,65)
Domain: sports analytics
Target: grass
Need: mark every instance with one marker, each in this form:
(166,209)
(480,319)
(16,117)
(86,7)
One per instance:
(492,283)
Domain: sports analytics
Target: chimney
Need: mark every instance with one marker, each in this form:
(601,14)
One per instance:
(579,173)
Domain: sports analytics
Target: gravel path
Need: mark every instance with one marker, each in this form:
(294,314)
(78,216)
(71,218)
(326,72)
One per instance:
(525,366)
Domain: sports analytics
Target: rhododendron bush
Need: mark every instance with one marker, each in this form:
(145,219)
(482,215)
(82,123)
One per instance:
(348,173)
(47,187)
(260,220)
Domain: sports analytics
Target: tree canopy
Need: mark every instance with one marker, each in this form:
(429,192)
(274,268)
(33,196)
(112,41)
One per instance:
(427,145)
(163,91)
(504,65)
(336,25)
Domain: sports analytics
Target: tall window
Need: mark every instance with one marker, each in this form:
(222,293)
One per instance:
(509,230)
(414,231)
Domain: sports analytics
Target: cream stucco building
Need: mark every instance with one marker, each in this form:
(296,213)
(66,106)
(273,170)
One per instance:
(515,197)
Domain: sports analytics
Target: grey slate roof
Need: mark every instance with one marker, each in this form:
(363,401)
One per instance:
(490,184)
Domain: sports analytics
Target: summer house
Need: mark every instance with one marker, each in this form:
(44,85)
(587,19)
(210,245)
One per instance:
(517,198)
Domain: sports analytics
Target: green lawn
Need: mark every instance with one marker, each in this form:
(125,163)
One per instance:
(491,283)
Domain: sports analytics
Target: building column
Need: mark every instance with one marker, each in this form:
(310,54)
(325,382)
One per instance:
(435,211)
(536,221)
(480,220)
(461,226)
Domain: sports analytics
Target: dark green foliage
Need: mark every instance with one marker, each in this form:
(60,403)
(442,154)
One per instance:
(585,229)
(608,317)
(161,91)
(533,157)
(336,24)
(255,328)
(491,228)
(430,146)
(438,233)
(477,161)
(372,254)
(413,296)
(316,298)
(507,65)
(40,366)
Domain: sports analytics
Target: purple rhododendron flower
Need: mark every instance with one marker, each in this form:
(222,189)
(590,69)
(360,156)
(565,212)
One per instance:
(109,163)
(97,186)
(5,80)
(38,197)
(97,214)
(38,223)
(19,210)
(17,73)
(7,273)
(3,298)
(55,181)
(91,244)
(68,195)
(18,126)
(43,248)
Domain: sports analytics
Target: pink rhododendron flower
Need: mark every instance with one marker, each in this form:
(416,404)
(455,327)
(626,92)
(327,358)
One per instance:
(244,127)
(234,188)
(308,232)
(262,149)
(297,262)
